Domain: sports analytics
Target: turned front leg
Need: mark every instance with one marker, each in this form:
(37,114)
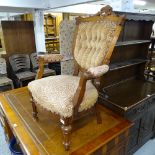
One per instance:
(34,108)
(66,128)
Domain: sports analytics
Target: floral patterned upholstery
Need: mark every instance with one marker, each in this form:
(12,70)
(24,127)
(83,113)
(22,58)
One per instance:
(98,71)
(55,93)
(67,28)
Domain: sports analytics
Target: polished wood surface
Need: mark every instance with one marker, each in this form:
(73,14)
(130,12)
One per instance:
(44,136)
(139,90)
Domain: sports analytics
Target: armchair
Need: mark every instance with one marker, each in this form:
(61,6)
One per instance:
(69,96)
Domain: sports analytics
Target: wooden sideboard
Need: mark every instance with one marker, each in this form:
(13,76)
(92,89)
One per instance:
(44,136)
(125,89)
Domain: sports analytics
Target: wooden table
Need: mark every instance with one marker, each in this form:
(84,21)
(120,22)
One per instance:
(43,137)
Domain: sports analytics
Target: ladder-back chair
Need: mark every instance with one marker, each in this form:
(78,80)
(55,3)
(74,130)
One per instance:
(67,95)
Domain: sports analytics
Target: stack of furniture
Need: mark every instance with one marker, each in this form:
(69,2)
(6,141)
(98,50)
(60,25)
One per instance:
(124,89)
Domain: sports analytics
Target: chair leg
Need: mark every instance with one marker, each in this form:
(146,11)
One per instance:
(34,108)
(66,128)
(98,115)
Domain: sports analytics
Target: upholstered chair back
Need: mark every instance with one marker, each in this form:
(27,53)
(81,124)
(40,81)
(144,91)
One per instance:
(2,67)
(67,31)
(93,41)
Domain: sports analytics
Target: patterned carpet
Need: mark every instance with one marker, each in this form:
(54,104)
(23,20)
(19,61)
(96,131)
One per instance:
(147,149)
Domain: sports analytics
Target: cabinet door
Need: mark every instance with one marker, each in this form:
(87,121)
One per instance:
(133,135)
(147,125)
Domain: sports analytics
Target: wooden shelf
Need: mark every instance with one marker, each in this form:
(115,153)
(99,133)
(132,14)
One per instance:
(132,42)
(127,63)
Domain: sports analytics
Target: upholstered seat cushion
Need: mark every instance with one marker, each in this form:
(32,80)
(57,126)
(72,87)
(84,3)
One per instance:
(25,75)
(4,81)
(55,93)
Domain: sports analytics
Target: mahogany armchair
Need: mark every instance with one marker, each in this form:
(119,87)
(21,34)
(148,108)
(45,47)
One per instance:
(68,96)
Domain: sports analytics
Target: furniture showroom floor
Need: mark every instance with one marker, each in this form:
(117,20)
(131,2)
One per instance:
(147,149)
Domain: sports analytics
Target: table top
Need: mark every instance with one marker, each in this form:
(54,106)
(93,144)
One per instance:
(44,136)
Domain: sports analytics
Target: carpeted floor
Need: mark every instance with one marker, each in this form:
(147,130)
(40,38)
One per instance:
(147,149)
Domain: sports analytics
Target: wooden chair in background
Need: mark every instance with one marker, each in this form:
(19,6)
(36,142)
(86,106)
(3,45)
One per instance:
(66,95)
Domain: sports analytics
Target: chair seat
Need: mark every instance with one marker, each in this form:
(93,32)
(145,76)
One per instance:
(55,93)
(27,75)
(5,81)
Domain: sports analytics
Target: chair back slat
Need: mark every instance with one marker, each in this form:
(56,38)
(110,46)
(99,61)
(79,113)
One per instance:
(20,62)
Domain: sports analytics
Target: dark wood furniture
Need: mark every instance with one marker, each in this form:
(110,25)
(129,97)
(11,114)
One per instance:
(44,136)
(124,89)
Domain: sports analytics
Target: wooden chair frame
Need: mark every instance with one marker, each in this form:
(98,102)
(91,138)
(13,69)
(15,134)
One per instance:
(105,13)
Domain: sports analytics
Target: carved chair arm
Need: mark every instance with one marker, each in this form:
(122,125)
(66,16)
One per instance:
(91,73)
(95,72)
(51,57)
(42,59)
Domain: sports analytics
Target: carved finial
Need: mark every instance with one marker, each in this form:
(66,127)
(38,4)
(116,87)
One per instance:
(105,11)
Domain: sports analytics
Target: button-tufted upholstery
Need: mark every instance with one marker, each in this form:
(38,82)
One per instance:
(55,93)
(92,42)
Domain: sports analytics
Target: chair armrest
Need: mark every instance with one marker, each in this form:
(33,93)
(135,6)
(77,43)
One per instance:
(95,72)
(51,57)
(91,73)
(42,59)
